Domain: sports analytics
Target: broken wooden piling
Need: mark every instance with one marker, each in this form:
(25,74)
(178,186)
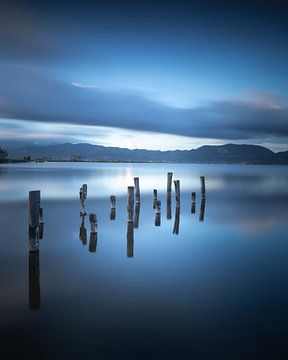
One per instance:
(112,207)
(34,219)
(158,213)
(177,192)
(154,197)
(130,204)
(169,184)
(203,189)
(34,208)
(83,195)
(137,190)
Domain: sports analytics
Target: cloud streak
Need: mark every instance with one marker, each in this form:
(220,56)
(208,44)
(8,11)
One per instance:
(29,94)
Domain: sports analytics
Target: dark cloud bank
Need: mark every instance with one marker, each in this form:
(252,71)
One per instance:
(28,94)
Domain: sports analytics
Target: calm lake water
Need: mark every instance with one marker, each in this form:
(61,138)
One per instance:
(216,290)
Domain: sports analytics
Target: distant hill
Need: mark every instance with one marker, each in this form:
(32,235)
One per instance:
(230,153)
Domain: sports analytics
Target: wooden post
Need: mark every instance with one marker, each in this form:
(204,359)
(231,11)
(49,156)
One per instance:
(177,221)
(202,209)
(177,192)
(33,238)
(137,190)
(41,224)
(93,242)
(112,201)
(169,192)
(34,281)
(93,223)
(154,197)
(82,200)
(203,190)
(193,195)
(130,240)
(112,207)
(158,213)
(130,205)
(169,183)
(34,208)
(82,231)
(84,188)
(136,216)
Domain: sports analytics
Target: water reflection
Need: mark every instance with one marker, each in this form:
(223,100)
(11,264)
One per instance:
(136,216)
(202,209)
(130,239)
(93,242)
(83,231)
(176,221)
(34,281)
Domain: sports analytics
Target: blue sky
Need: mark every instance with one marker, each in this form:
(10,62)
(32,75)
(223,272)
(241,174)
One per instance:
(148,74)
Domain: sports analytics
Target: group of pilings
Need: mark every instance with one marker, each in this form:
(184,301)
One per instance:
(92,221)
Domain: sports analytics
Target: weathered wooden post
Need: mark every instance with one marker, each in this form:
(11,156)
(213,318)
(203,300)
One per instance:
(137,190)
(177,221)
(130,240)
(84,188)
(193,196)
(169,192)
(34,216)
(177,192)
(130,205)
(203,189)
(136,216)
(169,184)
(112,207)
(41,224)
(202,209)
(82,195)
(34,208)
(34,281)
(83,231)
(154,197)
(158,213)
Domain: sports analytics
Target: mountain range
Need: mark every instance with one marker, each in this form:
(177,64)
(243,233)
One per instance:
(229,153)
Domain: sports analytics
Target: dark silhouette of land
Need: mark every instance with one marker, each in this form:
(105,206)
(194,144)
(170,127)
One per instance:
(230,153)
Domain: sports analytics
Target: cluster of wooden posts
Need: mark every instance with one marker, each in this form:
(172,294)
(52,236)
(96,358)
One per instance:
(133,212)
(36,225)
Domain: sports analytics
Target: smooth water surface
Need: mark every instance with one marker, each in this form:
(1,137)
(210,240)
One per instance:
(216,290)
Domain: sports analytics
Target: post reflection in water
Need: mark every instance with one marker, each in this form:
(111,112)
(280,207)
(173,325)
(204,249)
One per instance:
(113,214)
(130,239)
(93,242)
(83,231)
(136,216)
(168,208)
(34,281)
(176,221)
(202,209)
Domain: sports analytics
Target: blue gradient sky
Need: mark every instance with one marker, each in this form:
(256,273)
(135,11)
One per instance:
(126,73)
